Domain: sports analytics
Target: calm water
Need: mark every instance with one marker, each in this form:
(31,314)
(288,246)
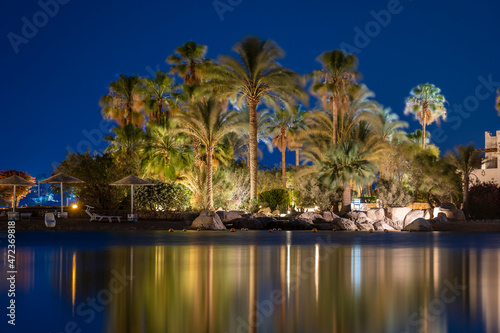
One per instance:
(255,281)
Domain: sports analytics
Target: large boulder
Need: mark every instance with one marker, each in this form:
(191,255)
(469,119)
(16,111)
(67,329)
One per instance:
(275,212)
(312,217)
(397,216)
(266,211)
(413,215)
(419,224)
(344,224)
(329,216)
(208,220)
(451,212)
(377,214)
(380,225)
(297,224)
(358,217)
(363,226)
(247,222)
(228,216)
(429,214)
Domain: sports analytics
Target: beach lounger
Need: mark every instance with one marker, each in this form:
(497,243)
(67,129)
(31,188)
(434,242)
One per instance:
(94,216)
(50,220)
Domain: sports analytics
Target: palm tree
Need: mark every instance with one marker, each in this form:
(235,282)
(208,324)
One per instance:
(298,131)
(465,160)
(331,83)
(281,126)
(123,102)
(123,143)
(208,121)
(159,96)
(497,105)
(427,104)
(164,153)
(338,167)
(189,62)
(258,77)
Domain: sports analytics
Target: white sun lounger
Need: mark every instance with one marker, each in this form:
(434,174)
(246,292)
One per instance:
(94,216)
(50,220)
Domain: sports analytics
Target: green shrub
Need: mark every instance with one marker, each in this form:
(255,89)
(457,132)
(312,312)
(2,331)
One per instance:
(162,196)
(391,193)
(276,197)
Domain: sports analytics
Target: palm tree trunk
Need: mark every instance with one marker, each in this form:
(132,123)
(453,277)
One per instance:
(297,157)
(196,150)
(252,147)
(346,198)
(465,207)
(335,121)
(423,129)
(210,198)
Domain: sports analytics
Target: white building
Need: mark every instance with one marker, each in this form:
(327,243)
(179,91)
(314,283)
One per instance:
(490,170)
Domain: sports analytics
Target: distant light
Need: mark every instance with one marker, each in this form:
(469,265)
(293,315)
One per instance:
(75,206)
(282,215)
(260,206)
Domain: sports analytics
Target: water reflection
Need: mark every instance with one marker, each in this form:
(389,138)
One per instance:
(272,288)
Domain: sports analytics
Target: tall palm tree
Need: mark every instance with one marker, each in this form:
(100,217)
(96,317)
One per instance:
(427,104)
(298,131)
(465,159)
(164,153)
(189,62)
(346,163)
(123,103)
(331,83)
(258,77)
(281,126)
(159,95)
(209,121)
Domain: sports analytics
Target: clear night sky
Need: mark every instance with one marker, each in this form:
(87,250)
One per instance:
(52,85)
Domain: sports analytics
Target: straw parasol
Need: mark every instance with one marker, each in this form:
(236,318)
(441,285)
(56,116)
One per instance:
(61,178)
(132,180)
(15,181)
(4,202)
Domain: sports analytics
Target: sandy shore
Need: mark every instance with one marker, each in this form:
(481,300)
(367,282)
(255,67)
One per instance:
(75,224)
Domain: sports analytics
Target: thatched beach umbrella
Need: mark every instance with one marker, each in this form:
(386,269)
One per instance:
(4,202)
(15,181)
(132,180)
(61,178)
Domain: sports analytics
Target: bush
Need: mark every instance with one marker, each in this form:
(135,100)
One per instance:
(391,193)
(276,197)
(484,201)
(162,196)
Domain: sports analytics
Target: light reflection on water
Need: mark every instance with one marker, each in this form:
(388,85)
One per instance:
(293,283)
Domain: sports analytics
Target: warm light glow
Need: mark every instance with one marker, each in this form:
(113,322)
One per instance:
(282,215)
(75,206)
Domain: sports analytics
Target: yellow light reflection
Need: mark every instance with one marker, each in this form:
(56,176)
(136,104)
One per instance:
(73,283)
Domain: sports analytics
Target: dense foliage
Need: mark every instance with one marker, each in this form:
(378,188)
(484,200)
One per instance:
(485,201)
(276,198)
(162,196)
(391,194)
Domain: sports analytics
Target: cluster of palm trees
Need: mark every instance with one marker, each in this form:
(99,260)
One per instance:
(223,108)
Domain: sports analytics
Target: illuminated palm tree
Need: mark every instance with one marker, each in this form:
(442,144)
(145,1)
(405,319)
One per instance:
(339,167)
(189,62)
(209,121)
(123,103)
(258,77)
(427,104)
(465,160)
(281,126)
(298,131)
(164,153)
(159,96)
(331,84)
(124,143)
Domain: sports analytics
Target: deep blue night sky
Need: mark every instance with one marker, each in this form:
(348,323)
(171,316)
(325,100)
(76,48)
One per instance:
(52,85)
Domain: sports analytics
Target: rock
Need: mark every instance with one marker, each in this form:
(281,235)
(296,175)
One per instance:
(266,210)
(429,214)
(311,217)
(377,214)
(419,224)
(267,222)
(256,215)
(440,218)
(276,212)
(329,216)
(344,224)
(208,220)
(219,209)
(363,226)
(451,213)
(379,225)
(297,224)
(446,205)
(245,222)
(359,217)
(397,215)
(228,216)
(413,215)
(325,226)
